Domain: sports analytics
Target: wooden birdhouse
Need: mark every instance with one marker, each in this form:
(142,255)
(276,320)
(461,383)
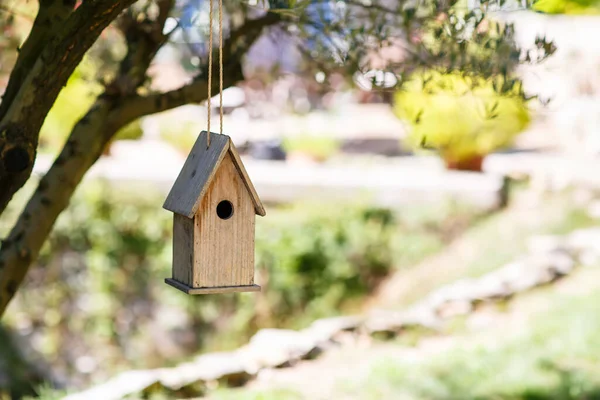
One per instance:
(214,205)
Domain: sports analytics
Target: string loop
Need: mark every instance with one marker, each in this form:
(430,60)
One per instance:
(210,62)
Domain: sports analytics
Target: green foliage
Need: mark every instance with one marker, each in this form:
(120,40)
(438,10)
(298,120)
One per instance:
(47,392)
(590,7)
(19,375)
(72,103)
(459,116)
(181,136)
(244,394)
(556,359)
(97,289)
(555,214)
(320,147)
(334,254)
(349,37)
(131,131)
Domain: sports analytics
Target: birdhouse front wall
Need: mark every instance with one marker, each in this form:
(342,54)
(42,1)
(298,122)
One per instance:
(224,232)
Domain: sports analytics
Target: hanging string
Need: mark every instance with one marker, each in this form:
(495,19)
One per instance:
(210,48)
(210,41)
(221,67)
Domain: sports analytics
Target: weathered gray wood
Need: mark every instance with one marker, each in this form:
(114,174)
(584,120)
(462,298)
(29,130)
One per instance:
(211,290)
(196,174)
(183,249)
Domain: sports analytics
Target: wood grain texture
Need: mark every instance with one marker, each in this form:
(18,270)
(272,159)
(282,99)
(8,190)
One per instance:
(224,254)
(196,174)
(212,290)
(183,249)
(258,206)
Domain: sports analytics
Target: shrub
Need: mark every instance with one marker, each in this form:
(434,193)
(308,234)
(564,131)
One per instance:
(461,117)
(96,302)
(319,147)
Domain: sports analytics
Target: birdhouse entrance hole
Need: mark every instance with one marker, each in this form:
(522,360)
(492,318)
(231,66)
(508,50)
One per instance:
(224,209)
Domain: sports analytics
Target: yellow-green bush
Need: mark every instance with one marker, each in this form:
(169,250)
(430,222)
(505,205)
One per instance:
(460,117)
(320,147)
(73,102)
(568,6)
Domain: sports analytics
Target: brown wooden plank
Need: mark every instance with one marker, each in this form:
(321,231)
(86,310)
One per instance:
(196,174)
(225,248)
(212,290)
(259,208)
(183,249)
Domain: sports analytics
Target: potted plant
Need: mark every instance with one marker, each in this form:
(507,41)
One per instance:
(463,119)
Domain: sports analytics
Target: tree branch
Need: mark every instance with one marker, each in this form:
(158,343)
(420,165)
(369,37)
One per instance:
(144,38)
(61,54)
(37,90)
(248,33)
(85,145)
(372,6)
(50,17)
(195,92)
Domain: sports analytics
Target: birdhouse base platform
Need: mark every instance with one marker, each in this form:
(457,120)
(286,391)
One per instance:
(210,290)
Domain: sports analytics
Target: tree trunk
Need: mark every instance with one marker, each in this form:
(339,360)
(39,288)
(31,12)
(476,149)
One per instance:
(39,75)
(24,242)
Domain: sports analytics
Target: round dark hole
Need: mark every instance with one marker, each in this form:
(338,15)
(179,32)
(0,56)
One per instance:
(225,209)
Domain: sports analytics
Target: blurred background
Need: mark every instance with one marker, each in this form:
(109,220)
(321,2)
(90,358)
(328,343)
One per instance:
(429,235)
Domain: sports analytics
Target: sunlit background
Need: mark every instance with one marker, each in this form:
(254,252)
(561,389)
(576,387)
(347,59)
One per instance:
(431,235)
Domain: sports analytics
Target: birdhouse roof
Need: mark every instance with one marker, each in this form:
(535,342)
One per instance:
(198,171)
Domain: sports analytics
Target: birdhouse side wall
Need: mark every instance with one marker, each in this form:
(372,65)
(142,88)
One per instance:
(183,249)
(225,247)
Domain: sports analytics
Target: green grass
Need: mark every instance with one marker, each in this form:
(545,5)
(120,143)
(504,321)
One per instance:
(241,394)
(46,392)
(554,356)
(570,7)
(558,358)
(562,217)
(493,242)
(320,147)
